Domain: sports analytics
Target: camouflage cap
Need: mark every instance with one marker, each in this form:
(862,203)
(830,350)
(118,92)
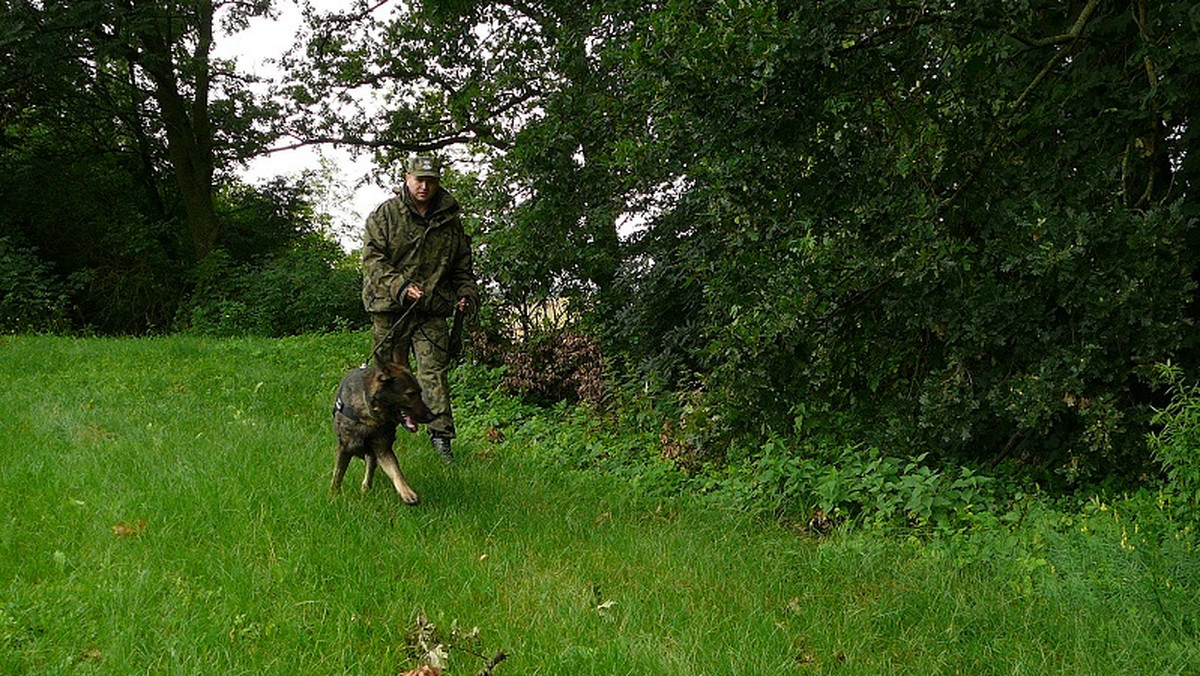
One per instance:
(424,166)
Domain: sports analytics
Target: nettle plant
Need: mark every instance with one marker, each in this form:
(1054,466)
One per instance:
(1176,443)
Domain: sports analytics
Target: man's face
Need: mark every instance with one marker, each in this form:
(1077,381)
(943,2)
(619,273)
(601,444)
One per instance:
(422,189)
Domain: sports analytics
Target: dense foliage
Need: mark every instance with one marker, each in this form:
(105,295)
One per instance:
(311,287)
(962,228)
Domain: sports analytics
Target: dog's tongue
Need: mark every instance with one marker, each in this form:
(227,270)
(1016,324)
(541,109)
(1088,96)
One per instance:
(409,423)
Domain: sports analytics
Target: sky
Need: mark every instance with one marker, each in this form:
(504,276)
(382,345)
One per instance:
(354,198)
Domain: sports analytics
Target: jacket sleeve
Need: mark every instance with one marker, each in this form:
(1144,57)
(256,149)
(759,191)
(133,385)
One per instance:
(462,271)
(382,282)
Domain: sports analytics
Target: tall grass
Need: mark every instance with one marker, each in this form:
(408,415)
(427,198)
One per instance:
(165,510)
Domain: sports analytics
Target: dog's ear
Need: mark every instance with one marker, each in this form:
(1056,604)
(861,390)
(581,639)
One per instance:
(391,369)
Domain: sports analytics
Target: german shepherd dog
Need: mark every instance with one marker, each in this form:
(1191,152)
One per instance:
(372,401)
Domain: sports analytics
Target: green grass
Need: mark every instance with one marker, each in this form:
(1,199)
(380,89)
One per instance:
(165,510)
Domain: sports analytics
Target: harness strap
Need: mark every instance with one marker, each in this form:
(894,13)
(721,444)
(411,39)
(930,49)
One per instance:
(339,406)
(355,411)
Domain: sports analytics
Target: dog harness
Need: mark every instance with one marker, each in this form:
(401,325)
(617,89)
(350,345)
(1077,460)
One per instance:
(339,406)
(347,408)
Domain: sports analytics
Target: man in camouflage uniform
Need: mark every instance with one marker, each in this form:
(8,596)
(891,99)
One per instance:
(417,257)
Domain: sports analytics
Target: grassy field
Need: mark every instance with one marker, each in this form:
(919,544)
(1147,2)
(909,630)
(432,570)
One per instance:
(165,510)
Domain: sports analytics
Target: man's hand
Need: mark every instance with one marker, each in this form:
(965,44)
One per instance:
(466,305)
(413,292)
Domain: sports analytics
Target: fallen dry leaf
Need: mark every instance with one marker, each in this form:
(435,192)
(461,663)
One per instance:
(124,530)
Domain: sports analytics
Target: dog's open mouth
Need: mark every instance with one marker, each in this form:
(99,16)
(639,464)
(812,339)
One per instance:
(409,423)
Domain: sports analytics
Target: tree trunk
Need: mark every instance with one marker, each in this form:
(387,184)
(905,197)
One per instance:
(188,129)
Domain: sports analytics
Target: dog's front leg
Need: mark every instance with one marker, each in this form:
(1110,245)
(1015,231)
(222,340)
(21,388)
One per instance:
(369,474)
(390,467)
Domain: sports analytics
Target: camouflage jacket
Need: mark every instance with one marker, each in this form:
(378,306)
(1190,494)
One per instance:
(402,247)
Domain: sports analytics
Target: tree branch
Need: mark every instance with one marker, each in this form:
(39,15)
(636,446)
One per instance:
(360,142)
(1071,35)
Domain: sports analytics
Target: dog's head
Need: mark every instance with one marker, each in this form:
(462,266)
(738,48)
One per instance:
(393,388)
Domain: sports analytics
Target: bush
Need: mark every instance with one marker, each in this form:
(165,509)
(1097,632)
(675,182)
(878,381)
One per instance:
(309,288)
(855,483)
(546,368)
(32,297)
(1176,443)
(816,484)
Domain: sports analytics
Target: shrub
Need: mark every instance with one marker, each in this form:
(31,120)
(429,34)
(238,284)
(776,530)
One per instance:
(32,297)
(864,484)
(311,287)
(548,368)
(1176,443)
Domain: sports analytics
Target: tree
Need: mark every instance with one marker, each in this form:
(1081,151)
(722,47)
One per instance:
(143,70)
(494,80)
(120,136)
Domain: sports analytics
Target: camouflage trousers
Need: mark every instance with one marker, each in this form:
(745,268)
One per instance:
(428,338)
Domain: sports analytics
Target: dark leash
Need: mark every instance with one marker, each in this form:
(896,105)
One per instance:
(455,342)
(387,337)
